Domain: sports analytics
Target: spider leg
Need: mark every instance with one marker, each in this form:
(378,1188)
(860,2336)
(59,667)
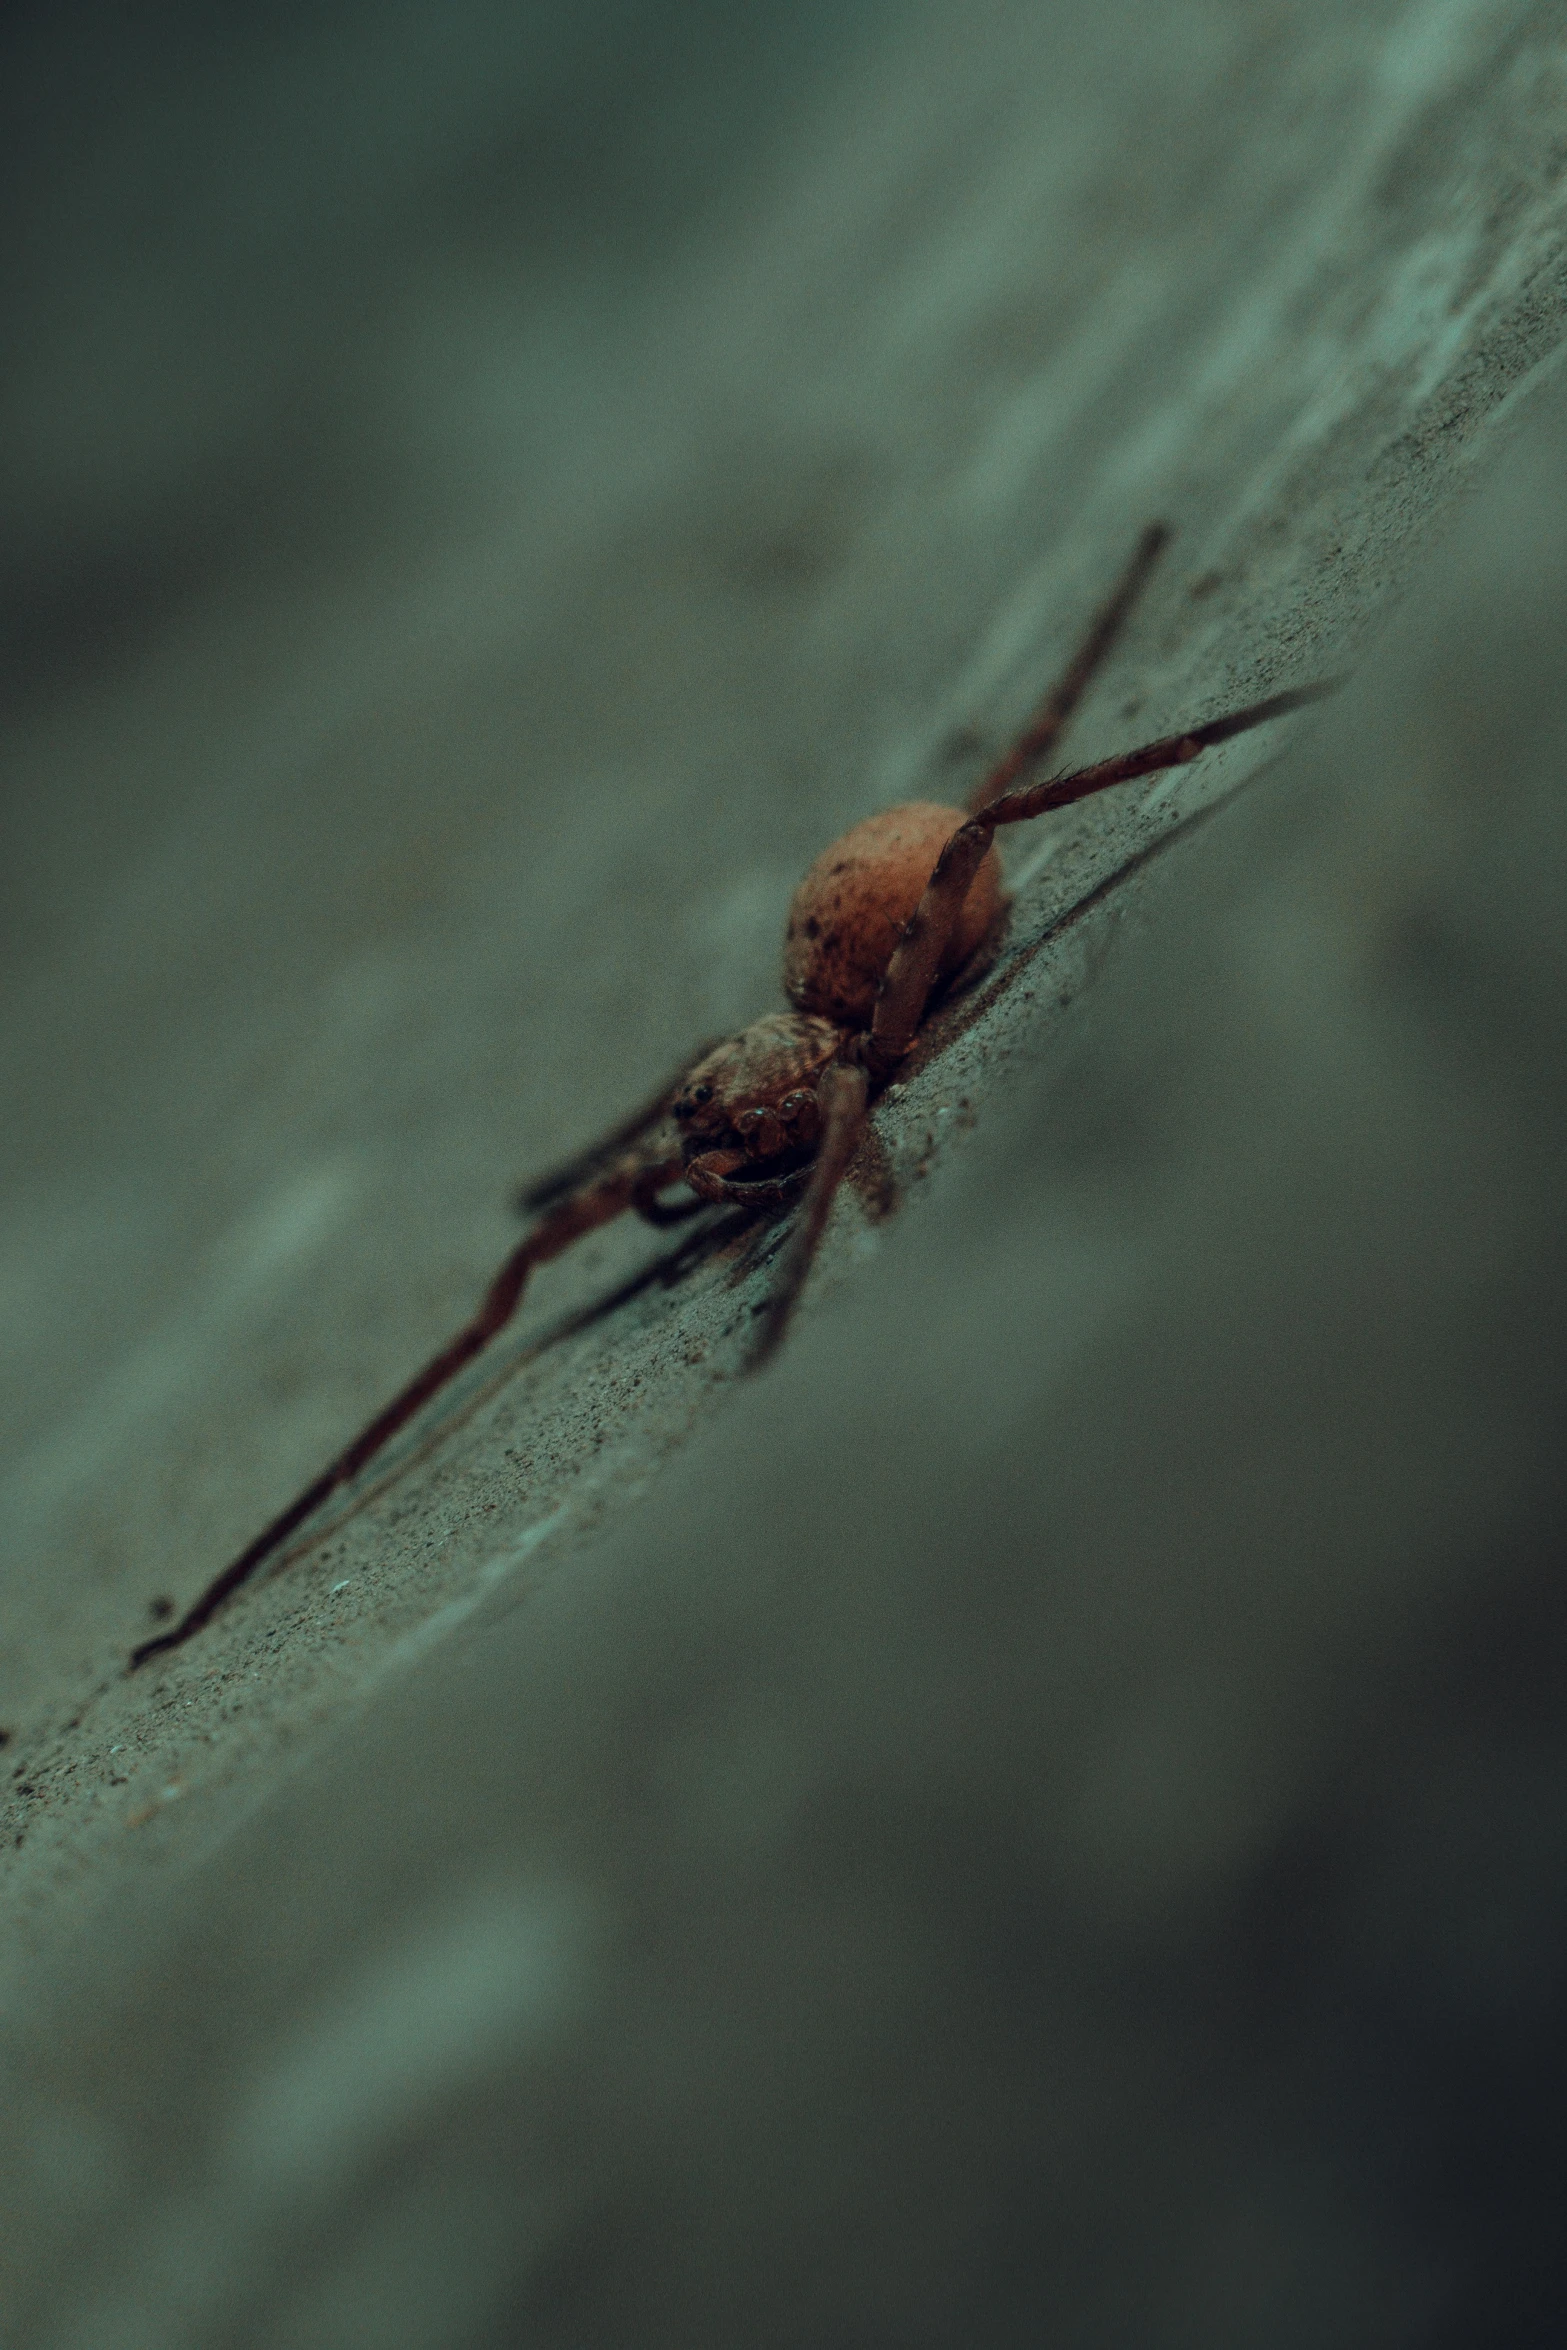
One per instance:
(1043,731)
(571,1174)
(646,1203)
(843,1094)
(1170,750)
(581,1211)
(906,986)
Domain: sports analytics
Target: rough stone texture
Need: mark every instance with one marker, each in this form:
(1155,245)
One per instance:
(1041,1818)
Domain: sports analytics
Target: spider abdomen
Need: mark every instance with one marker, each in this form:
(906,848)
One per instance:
(849,912)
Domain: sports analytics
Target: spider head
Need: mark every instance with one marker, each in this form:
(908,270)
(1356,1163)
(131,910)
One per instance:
(758,1070)
(700,1109)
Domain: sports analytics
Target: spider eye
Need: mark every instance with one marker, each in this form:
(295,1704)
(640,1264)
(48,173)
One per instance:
(701,1093)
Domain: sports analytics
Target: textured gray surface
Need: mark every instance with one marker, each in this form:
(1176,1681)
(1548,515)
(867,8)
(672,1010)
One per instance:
(1044,1814)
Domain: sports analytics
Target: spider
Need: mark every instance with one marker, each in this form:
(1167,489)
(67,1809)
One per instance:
(882,920)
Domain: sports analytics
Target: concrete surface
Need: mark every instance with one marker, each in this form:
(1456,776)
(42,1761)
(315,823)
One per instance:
(1041,1816)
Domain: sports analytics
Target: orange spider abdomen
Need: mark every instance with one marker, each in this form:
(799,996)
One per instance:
(848,913)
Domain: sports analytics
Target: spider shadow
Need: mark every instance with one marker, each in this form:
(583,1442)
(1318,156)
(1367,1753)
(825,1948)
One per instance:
(992,971)
(716,1237)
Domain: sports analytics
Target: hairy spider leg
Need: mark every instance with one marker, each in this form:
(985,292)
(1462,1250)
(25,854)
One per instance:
(900,1003)
(1040,736)
(869,1060)
(843,1093)
(632,1180)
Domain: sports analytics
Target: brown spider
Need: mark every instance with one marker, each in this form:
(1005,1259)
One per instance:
(895,907)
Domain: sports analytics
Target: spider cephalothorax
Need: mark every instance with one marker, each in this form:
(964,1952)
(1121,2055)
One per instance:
(883,916)
(753,1100)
